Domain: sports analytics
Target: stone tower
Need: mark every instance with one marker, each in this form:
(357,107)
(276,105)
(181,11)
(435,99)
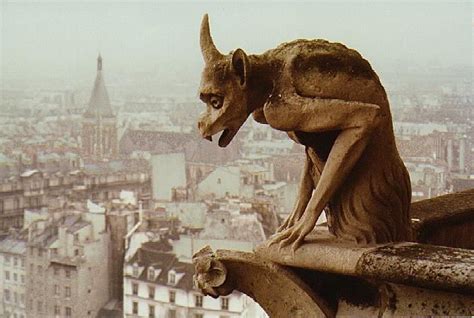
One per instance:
(99,123)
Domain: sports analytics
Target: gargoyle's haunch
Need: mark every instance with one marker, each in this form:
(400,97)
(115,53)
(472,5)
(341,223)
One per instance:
(327,98)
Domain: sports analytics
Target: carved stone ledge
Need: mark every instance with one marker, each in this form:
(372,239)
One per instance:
(446,220)
(279,291)
(361,290)
(421,265)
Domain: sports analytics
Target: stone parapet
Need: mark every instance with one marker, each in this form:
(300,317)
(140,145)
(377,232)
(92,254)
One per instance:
(330,277)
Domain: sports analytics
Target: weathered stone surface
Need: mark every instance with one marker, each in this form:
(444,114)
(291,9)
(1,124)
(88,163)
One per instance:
(296,292)
(280,292)
(327,98)
(447,220)
(413,264)
(420,265)
(321,251)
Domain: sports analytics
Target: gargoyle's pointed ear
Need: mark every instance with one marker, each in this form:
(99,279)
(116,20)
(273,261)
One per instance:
(240,65)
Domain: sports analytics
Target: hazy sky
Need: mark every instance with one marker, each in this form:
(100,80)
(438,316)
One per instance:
(61,39)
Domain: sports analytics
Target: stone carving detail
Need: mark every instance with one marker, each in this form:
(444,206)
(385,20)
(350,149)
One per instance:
(328,98)
(210,273)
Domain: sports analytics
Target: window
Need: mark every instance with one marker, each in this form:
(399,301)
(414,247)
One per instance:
(76,237)
(15,261)
(40,252)
(56,290)
(22,279)
(151,292)
(172,296)
(171,313)
(151,311)
(22,262)
(67,292)
(76,252)
(219,181)
(7,259)
(171,278)
(135,308)
(15,294)
(135,270)
(22,299)
(15,277)
(224,303)
(7,275)
(57,310)
(68,273)
(134,288)
(151,273)
(6,294)
(54,251)
(68,311)
(198,300)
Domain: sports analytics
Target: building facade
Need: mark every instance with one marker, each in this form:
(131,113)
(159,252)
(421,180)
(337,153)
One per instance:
(157,284)
(13,276)
(103,181)
(67,265)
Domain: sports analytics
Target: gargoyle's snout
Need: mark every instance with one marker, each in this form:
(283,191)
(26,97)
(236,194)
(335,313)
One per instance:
(201,127)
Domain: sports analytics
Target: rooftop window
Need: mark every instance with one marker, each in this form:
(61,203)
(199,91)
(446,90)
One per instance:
(172,278)
(151,273)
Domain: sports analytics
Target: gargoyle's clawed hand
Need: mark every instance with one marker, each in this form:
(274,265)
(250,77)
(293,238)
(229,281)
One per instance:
(294,235)
(290,221)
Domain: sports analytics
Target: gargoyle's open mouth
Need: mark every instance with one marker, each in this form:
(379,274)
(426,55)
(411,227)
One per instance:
(226,137)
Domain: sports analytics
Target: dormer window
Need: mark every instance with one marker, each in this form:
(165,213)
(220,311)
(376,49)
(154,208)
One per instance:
(172,278)
(151,273)
(135,270)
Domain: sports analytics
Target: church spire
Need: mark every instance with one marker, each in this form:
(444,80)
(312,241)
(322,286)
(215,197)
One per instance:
(99,63)
(99,103)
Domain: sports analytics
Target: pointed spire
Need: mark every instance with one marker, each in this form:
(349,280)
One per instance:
(99,63)
(99,103)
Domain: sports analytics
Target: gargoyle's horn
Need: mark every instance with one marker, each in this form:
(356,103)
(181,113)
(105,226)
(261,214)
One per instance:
(208,49)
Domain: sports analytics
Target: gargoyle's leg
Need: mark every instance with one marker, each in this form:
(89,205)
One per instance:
(356,122)
(306,188)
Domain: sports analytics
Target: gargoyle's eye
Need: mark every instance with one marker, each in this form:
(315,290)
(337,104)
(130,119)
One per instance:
(215,101)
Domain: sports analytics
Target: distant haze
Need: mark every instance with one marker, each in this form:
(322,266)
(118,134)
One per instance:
(62,39)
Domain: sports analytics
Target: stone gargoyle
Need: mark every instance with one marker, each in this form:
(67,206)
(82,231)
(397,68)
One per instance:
(328,98)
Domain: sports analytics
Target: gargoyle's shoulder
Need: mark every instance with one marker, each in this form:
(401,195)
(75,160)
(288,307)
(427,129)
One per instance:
(326,57)
(304,47)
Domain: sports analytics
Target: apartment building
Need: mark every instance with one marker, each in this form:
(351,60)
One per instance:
(13,276)
(158,284)
(67,263)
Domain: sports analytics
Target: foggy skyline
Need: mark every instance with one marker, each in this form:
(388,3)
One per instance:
(62,39)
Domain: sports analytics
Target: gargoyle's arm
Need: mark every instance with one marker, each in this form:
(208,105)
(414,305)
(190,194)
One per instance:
(356,121)
(306,188)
